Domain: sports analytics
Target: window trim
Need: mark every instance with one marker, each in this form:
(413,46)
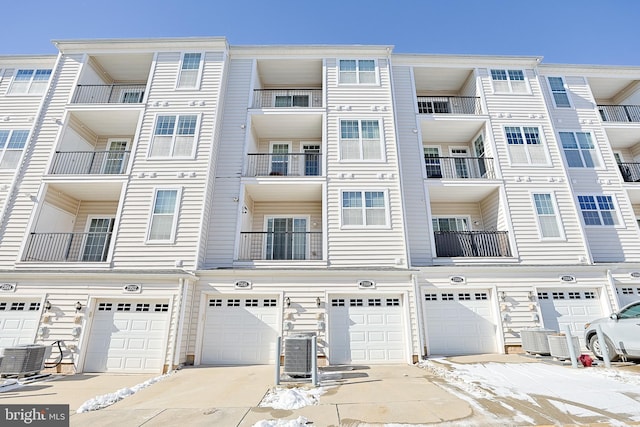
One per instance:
(364,226)
(566,92)
(383,151)
(597,157)
(198,76)
(3,150)
(426,166)
(31,80)
(176,211)
(177,116)
(510,92)
(306,218)
(543,143)
(614,200)
(376,72)
(554,204)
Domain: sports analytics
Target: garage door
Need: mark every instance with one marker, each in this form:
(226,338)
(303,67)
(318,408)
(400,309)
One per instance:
(628,294)
(573,307)
(459,322)
(19,320)
(128,336)
(366,330)
(240,330)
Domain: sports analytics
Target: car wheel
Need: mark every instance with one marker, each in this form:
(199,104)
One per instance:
(594,344)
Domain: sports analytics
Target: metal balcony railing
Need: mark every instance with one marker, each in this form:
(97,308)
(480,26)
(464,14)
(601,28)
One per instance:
(288,164)
(459,167)
(630,171)
(67,247)
(472,244)
(620,113)
(449,105)
(109,94)
(89,162)
(287,98)
(293,246)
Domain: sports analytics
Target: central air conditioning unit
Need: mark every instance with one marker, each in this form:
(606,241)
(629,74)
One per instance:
(297,355)
(535,341)
(24,360)
(559,347)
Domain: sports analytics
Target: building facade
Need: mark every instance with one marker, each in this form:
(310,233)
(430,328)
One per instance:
(184,201)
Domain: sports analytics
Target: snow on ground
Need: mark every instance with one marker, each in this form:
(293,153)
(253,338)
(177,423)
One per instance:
(10,384)
(291,398)
(298,422)
(109,399)
(605,389)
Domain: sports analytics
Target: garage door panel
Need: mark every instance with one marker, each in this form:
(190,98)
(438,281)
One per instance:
(19,319)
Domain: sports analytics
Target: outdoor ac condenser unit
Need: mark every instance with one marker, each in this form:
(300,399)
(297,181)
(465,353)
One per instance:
(24,360)
(535,340)
(559,347)
(297,355)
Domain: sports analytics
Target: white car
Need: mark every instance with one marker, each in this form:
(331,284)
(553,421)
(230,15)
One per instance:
(621,332)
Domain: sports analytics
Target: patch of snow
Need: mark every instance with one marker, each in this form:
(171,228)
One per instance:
(109,399)
(298,422)
(291,398)
(10,384)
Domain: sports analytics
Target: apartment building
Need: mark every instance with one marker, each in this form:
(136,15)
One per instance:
(183,201)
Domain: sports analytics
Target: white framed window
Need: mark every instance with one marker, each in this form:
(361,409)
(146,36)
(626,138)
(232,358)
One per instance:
(559,92)
(174,136)
(29,82)
(450,223)
(525,145)
(598,210)
(12,143)
(360,140)
(509,81)
(579,149)
(357,71)
(164,215)
(190,71)
(364,208)
(286,238)
(432,158)
(547,214)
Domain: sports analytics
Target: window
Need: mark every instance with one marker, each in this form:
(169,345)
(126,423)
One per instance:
(598,210)
(579,149)
(360,140)
(525,145)
(29,82)
(361,71)
(509,81)
(367,208)
(164,215)
(450,224)
(12,144)
(559,92)
(174,136)
(189,71)
(432,162)
(547,218)
(281,101)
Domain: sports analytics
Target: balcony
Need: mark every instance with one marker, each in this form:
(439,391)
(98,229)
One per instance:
(284,246)
(67,247)
(90,162)
(449,105)
(620,113)
(630,171)
(287,98)
(459,167)
(472,244)
(109,94)
(288,164)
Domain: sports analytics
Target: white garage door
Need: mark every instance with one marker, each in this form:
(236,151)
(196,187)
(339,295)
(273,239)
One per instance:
(572,306)
(366,329)
(19,320)
(128,336)
(240,330)
(628,294)
(459,322)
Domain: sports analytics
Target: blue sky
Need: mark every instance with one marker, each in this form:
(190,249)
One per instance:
(562,31)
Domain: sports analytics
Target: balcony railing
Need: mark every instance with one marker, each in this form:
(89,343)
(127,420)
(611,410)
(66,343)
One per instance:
(449,105)
(630,171)
(67,247)
(292,246)
(287,98)
(287,164)
(472,243)
(620,113)
(89,162)
(109,94)
(459,167)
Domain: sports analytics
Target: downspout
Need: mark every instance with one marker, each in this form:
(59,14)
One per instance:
(419,318)
(175,356)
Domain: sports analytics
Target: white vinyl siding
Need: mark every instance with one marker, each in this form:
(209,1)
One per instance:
(559,92)
(164,215)
(12,143)
(29,82)
(546,212)
(509,81)
(190,71)
(364,208)
(174,136)
(579,149)
(360,140)
(357,71)
(525,145)
(599,210)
